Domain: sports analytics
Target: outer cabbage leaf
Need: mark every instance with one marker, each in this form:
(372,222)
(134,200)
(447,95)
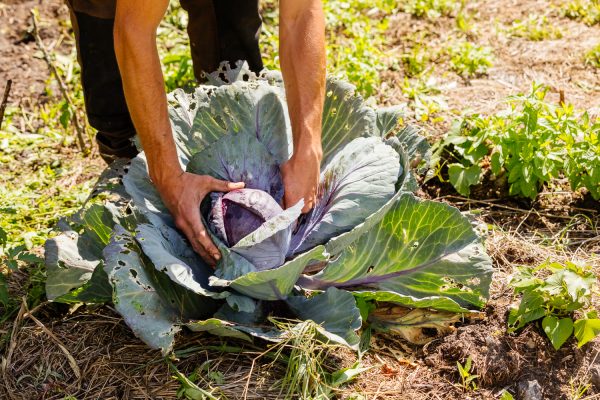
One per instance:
(73,261)
(272,284)
(388,119)
(173,256)
(437,302)
(345,117)
(359,180)
(134,296)
(144,194)
(335,310)
(419,249)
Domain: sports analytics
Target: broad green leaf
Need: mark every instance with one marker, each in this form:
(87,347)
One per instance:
(419,249)
(436,302)
(415,145)
(586,330)
(359,180)
(388,120)
(256,108)
(218,327)
(273,284)
(345,375)
(96,290)
(345,117)
(557,330)
(71,259)
(135,296)
(144,194)
(462,178)
(335,311)
(531,308)
(173,256)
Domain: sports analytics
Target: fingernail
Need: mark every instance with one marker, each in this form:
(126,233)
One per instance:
(216,256)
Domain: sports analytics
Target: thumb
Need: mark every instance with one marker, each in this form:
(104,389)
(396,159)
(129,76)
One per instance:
(225,186)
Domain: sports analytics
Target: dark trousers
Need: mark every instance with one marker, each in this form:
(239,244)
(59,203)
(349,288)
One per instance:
(219,30)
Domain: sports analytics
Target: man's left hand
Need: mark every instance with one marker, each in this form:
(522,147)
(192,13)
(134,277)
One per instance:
(301,177)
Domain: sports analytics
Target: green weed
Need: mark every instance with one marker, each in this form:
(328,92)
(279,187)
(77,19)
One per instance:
(587,11)
(467,379)
(432,9)
(534,28)
(531,142)
(355,39)
(469,59)
(425,100)
(559,295)
(592,57)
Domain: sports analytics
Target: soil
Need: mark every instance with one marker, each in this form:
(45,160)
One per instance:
(89,353)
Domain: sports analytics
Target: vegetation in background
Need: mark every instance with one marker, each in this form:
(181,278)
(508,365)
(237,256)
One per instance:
(559,295)
(355,39)
(534,28)
(587,11)
(592,57)
(470,59)
(432,9)
(530,143)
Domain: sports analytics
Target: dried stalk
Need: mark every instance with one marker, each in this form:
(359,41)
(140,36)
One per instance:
(63,89)
(5,100)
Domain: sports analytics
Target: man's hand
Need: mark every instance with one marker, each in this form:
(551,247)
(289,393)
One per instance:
(182,196)
(301,177)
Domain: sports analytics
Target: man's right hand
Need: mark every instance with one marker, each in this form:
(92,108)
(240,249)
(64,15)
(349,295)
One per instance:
(182,195)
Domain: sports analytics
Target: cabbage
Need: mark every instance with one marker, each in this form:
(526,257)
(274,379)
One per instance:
(367,240)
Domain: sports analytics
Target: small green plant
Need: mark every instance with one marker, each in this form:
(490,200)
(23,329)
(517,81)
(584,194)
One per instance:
(432,9)
(415,60)
(530,143)
(587,11)
(592,57)
(467,379)
(534,28)
(558,295)
(425,101)
(469,59)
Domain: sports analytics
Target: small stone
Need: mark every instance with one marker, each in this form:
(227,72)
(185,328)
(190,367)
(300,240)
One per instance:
(529,390)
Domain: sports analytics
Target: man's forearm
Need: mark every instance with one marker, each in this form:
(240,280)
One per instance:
(143,83)
(302,55)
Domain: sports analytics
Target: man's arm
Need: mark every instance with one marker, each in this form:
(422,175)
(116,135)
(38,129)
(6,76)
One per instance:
(302,55)
(136,22)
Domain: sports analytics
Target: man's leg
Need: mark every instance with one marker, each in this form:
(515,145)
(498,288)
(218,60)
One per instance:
(103,90)
(223,30)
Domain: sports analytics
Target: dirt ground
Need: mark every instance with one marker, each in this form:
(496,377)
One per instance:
(89,353)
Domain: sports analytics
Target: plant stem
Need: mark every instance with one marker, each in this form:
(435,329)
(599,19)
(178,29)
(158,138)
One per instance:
(5,100)
(63,89)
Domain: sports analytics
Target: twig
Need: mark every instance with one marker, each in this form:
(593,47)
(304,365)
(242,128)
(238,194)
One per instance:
(5,100)
(63,89)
